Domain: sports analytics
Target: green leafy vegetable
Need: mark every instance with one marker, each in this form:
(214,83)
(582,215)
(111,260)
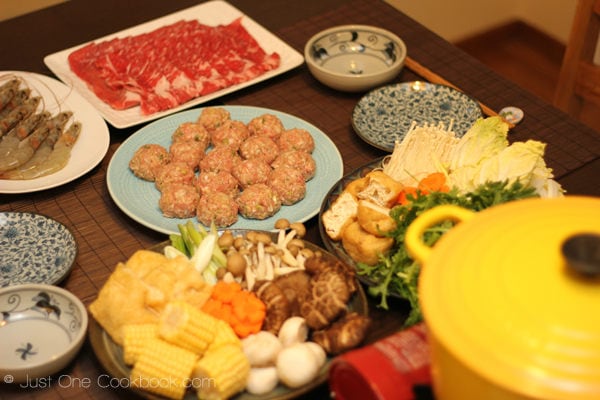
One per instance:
(398,273)
(201,247)
(483,154)
(485,138)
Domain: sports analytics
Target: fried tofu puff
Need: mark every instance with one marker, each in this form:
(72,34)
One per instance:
(356,186)
(341,213)
(379,188)
(363,246)
(374,219)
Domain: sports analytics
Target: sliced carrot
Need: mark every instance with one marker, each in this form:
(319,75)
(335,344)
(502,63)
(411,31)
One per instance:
(433,182)
(243,311)
(403,196)
(226,291)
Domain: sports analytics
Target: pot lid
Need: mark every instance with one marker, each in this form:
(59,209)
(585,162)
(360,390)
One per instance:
(498,293)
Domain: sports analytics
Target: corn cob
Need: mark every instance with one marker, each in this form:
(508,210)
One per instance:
(135,337)
(224,334)
(221,373)
(185,325)
(163,368)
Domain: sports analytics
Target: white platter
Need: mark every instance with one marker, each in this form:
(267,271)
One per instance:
(210,13)
(91,146)
(139,199)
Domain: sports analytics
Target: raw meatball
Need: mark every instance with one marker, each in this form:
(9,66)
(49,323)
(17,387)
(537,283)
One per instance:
(258,201)
(217,207)
(230,133)
(191,132)
(178,200)
(147,160)
(221,181)
(249,172)
(213,117)
(187,152)
(266,124)
(299,160)
(222,158)
(174,172)
(259,147)
(289,185)
(296,139)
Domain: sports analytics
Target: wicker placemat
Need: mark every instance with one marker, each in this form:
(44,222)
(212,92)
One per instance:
(106,236)
(570,144)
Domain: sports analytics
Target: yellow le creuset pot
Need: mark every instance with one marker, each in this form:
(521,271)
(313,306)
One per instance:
(507,314)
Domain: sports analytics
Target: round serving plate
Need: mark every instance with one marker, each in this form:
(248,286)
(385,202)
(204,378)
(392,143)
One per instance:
(139,199)
(110,354)
(384,115)
(336,247)
(34,249)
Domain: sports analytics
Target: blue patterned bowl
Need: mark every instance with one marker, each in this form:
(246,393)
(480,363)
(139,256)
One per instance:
(34,249)
(354,58)
(42,328)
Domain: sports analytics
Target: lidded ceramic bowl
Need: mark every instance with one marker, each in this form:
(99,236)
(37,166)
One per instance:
(511,312)
(42,328)
(354,58)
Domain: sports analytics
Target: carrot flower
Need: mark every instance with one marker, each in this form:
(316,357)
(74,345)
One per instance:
(241,309)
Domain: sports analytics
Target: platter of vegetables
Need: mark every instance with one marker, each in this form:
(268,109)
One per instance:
(250,347)
(431,167)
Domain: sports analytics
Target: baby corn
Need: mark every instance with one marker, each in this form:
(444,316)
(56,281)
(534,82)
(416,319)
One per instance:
(221,373)
(224,334)
(163,368)
(184,325)
(135,337)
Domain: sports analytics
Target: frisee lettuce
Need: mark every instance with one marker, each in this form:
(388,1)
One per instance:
(397,273)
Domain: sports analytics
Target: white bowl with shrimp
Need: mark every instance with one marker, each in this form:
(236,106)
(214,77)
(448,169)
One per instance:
(42,329)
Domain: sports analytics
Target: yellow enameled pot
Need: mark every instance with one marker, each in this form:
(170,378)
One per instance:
(508,316)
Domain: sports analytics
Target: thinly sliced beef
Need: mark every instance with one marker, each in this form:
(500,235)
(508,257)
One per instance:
(171,65)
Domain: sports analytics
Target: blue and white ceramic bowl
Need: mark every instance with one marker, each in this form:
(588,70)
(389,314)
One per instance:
(42,328)
(354,58)
(34,249)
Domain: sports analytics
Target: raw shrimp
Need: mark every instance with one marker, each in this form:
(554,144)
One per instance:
(40,155)
(8,91)
(25,127)
(15,156)
(55,160)
(18,114)
(11,140)
(17,100)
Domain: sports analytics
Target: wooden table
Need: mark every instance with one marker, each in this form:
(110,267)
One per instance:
(106,236)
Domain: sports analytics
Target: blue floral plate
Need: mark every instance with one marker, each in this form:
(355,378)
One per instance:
(384,115)
(34,249)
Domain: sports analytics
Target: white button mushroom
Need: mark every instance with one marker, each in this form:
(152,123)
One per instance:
(262,380)
(319,352)
(297,365)
(261,348)
(293,330)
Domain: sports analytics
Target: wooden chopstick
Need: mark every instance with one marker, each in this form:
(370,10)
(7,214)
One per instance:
(432,77)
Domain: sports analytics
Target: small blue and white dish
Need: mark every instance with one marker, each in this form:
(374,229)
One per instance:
(384,115)
(42,328)
(354,58)
(34,249)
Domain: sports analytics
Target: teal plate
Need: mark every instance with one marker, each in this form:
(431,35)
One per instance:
(139,199)
(384,115)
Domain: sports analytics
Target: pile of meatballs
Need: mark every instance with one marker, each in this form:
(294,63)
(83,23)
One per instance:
(218,168)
